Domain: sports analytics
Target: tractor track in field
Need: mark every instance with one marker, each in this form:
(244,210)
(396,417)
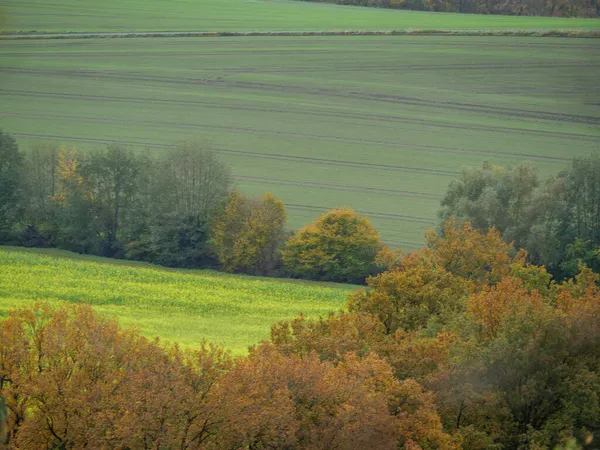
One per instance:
(361,116)
(416,219)
(177,125)
(343,187)
(348,140)
(274,156)
(348,94)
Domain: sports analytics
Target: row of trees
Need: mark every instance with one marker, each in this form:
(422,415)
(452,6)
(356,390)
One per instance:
(564,8)
(460,345)
(175,209)
(557,222)
(179,209)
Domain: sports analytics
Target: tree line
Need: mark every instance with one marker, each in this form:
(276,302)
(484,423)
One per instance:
(180,209)
(460,345)
(554,8)
(176,209)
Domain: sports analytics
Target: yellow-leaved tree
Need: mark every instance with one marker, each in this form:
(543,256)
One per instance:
(341,245)
(247,235)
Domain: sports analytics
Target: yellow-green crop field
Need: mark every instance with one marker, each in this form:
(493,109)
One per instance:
(183,306)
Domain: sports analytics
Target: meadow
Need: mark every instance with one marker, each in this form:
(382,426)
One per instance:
(247,15)
(183,306)
(380,124)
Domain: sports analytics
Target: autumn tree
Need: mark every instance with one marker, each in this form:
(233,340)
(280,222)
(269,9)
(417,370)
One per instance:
(481,256)
(340,245)
(72,379)
(294,401)
(247,235)
(408,297)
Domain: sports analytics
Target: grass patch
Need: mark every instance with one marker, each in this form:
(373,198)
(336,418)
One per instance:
(183,306)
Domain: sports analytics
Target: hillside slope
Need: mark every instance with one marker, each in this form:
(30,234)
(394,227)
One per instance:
(183,306)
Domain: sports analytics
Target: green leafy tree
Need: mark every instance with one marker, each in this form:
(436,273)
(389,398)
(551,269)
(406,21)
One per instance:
(566,232)
(493,196)
(11,176)
(175,198)
(340,245)
(113,175)
(41,165)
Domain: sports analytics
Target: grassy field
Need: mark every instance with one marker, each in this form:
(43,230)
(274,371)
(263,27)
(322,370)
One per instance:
(181,306)
(247,15)
(379,124)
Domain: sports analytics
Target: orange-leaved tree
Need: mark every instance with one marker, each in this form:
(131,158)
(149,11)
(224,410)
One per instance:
(72,379)
(472,254)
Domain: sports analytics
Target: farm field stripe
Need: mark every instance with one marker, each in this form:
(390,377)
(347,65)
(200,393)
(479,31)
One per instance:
(424,122)
(305,159)
(153,124)
(343,187)
(386,98)
(213,34)
(379,117)
(401,217)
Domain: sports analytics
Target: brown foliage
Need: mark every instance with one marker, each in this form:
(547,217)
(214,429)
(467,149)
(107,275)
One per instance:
(407,297)
(273,401)
(471,254)
(494,304)
(74,379)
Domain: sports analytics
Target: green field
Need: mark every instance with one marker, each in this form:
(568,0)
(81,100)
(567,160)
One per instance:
(182,306)
(381,124)
(247,15)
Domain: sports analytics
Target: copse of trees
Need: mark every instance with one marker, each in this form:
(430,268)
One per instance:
(113,202)
(178,209)
(72,379)
(510,356)
(557,222)
(175,209)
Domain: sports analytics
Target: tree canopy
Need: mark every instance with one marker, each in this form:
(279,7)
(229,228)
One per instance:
(340,245)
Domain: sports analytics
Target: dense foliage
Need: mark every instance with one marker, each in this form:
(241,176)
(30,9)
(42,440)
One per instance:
(511,358)
(175,209)
(340,245)
(558,223)
(71,379)
(248,236)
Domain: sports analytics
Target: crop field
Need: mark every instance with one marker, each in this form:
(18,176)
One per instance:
(381,124)
(247,15)
(182,306)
